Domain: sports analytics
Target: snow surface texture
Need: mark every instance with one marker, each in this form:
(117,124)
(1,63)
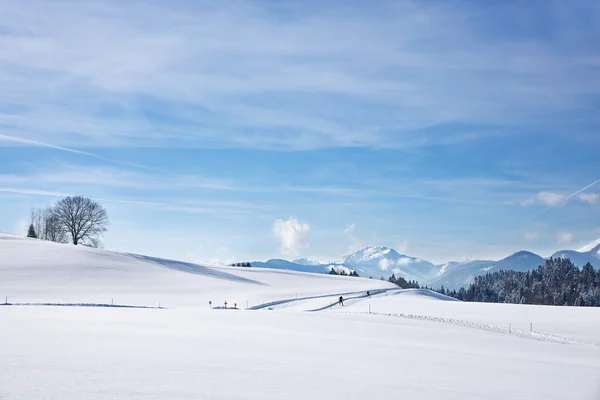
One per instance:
(414,344)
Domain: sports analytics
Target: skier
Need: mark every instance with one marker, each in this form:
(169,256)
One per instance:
(341,300)
(368,294)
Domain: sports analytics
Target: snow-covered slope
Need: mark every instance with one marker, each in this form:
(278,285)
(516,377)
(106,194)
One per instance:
(591,246)
(37,271)
(432,347)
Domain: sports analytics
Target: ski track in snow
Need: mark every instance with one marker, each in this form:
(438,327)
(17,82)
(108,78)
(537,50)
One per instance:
(299,299)
(541,337)
(533,335)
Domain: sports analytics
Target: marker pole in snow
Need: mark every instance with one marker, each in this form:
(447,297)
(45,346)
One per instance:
(531,327)
(369,309)
(112,302)
(509,328)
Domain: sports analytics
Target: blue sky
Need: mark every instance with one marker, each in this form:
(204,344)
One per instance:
(228,131)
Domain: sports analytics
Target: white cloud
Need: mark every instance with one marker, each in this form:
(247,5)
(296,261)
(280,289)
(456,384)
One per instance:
(384,264)
(292,234)
(549,199)
(591,198)
(531,236)
(564,237)
(355,242)
(402,246)
(350,229)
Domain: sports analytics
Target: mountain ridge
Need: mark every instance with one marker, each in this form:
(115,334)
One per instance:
(381,262)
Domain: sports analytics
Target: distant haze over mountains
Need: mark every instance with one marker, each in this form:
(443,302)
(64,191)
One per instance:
(379,261)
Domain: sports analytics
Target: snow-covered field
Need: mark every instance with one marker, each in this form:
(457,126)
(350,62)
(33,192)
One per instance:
(413,344)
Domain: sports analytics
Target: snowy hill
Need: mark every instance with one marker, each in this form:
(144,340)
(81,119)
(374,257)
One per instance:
(440,347)
(37,271)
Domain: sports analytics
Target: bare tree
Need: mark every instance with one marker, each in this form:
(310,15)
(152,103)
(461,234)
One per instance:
(47,226)
(84,219)
(55,231)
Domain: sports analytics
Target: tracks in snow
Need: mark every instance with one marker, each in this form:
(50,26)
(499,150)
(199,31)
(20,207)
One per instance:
(358,296)
(538,336)
(335,295)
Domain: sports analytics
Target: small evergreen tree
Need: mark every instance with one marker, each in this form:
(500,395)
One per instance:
(31,232)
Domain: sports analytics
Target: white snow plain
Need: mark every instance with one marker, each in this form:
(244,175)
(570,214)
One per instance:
(413,345)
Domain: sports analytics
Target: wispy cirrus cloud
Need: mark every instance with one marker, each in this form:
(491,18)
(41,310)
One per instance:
(27,142)
(531,236)
(98,73)
(552,199)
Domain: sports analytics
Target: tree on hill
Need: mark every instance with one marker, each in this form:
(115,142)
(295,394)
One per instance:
(83,219)
(31,232)
(47,226)
(403,283)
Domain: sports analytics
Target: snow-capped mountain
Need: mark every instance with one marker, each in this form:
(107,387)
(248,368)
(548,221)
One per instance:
(589,247)
(379,261)
(370,254)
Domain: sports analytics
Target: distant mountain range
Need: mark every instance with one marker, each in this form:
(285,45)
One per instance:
(379,261)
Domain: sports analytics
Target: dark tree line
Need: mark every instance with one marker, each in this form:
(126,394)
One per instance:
(403,283)
(558,282)
(78,219)
(246,264)
(342,272)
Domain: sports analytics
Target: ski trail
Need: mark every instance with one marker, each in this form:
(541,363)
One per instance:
(349,300)
(538,336)
(299,299)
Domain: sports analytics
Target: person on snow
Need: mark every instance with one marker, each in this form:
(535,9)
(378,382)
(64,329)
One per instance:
(368,294)
(341,300)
